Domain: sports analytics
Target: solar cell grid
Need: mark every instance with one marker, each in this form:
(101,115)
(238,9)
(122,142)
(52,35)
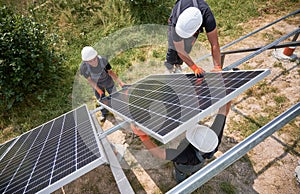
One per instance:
(5,147)
(166,105)
(48,156)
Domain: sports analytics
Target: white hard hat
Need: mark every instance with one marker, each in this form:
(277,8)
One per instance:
(202,138)
(189,21)
(88,53)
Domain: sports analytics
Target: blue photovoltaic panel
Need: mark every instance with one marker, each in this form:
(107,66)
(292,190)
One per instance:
(4,147)
(164,106)
(51,155)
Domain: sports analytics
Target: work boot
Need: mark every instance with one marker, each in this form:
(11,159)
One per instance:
(179,176)
(209,155)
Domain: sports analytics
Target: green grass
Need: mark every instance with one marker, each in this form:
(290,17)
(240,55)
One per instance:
(280,99)
(276,104)
(249,125)
(260,89)
(79,23)
(227,188)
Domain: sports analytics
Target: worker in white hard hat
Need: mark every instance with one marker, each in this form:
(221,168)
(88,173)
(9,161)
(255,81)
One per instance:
(201,143)
(99,74)
(187,20)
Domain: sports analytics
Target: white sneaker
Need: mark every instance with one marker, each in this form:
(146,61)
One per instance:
(102,118)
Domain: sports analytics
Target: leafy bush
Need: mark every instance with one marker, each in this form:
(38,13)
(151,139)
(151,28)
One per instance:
(28,63)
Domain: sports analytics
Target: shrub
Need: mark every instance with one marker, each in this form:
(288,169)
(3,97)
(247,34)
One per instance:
(28,63)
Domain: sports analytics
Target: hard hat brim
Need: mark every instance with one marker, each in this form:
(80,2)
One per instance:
(202,138)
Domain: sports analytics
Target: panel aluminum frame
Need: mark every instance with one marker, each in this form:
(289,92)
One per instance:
(196,98)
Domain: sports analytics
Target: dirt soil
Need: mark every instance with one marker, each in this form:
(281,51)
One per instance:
(268,168)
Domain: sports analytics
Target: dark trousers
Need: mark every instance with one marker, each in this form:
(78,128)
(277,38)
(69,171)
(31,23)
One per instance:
(106,101)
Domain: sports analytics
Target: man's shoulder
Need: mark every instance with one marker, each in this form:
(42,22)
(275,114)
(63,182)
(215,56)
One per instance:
(205,9)
(83,65)
(84,69)
(201,5)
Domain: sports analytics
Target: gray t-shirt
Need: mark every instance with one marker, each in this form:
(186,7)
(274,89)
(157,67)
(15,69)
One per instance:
(99,73)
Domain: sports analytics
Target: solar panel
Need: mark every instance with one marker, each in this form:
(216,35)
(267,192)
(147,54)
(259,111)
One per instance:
(164,106)
(5,147)
(51,155)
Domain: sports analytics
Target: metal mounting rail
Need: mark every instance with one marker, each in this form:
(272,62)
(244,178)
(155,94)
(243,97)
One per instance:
(294,43)
(116,169)
(250,34)
(237,63)
(235,153)
(254,32)
(283,45)
(113,129)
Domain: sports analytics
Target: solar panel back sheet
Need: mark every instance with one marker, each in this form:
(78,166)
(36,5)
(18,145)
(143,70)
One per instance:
(51,155)
(164,106)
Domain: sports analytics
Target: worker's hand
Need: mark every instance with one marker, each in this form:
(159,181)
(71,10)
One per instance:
(121,84)
(197,70)
(143,136)
(100,92)
(217,69)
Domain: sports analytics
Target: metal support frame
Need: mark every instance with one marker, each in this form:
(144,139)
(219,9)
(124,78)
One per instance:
(283,45)
(237,63)
(260,29)
(235,153)
(294,43)
(250,34)
(295,37)
(117,171)
(113,129)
